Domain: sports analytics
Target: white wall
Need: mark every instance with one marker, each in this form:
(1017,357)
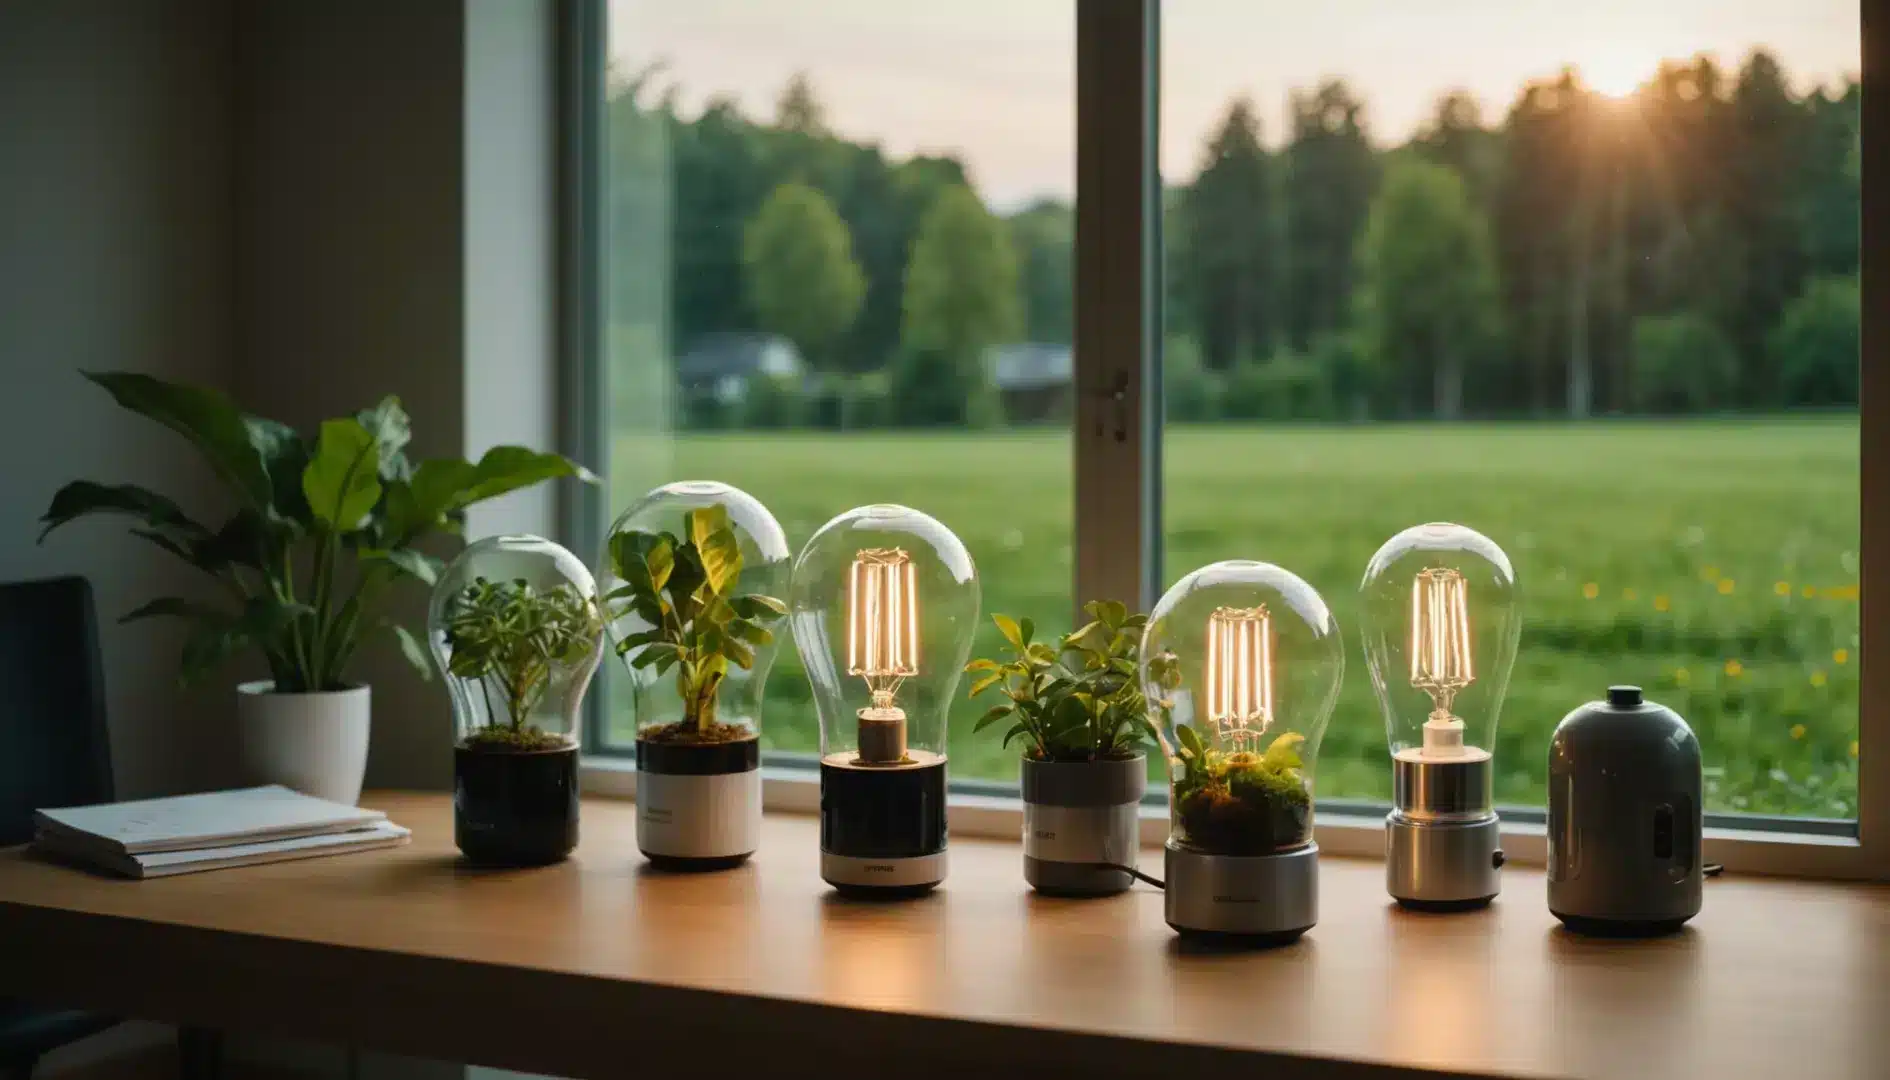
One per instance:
(114,253)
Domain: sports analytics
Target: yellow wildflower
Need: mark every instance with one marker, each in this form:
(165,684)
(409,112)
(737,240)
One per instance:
(1817,678)
(1853,747)
(1808,591)
(1661,603)
(1710,573)
(1725,586)
(1590,591)
(1841,656)
(1682,676)
(1783,588)
(1798,731)
(1734,668)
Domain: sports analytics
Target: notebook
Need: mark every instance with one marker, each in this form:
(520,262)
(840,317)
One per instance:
(168,863)
(245,816)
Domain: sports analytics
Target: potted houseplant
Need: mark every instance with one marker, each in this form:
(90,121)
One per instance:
(690,611)
(517,631)
(322,527)
(1078,707)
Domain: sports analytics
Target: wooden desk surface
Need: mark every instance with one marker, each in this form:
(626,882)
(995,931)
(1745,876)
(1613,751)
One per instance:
(601,967)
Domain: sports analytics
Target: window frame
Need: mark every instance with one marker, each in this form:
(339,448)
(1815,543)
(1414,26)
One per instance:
(1117,430)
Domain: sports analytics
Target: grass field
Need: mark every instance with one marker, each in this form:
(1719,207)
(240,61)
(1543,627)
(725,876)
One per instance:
(1714,563)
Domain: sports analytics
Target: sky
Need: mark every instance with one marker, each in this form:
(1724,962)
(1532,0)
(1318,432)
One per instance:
(992,81)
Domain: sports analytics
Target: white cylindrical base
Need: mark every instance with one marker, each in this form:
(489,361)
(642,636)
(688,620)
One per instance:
(716,816)
(1068,849)
(848,872)
(314,743)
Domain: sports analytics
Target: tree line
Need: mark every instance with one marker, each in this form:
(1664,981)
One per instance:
(1691,247)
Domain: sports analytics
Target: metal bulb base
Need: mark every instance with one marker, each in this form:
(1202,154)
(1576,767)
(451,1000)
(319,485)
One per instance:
(1445,865)
(1259,899)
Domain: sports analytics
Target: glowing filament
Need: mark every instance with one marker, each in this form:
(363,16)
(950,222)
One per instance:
(1240,674)
(1440,636)
(882,621)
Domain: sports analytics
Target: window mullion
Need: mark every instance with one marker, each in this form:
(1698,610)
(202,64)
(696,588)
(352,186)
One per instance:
(1118,302)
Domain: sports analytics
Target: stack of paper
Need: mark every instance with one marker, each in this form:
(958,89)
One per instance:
(159,837)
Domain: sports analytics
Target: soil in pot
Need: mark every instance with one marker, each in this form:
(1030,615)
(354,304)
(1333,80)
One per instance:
(686,749)
(515,798)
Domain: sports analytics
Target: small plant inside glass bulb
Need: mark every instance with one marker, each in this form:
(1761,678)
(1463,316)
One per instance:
(1441,664)
(882,646)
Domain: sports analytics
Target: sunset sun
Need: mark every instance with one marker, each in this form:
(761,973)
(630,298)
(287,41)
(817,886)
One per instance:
(1618,70)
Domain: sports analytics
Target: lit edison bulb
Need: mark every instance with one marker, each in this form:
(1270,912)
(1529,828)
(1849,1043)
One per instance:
(882,645)
(1245,660)
(884,602)
(1241,662)
(1441,620)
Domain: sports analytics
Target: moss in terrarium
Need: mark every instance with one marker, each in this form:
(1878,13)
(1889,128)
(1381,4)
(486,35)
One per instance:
(523,740)
(688,732)
(1242,803)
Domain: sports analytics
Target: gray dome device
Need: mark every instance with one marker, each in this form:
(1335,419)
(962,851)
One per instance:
(1624,818)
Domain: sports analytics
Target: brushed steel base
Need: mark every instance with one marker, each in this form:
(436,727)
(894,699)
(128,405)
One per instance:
(1443,865)
(1269,899)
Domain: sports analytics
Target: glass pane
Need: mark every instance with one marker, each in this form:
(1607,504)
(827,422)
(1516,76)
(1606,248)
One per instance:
(1582,277)
(838,244)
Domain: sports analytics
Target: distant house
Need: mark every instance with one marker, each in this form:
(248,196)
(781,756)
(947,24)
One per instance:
(1032,379)
(720,365)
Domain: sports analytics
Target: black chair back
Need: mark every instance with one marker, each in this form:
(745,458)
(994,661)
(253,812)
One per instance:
(53,749)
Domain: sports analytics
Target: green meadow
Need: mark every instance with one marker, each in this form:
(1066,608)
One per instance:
(1715,563)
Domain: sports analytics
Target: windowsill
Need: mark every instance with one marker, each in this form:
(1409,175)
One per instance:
(981,976)
(1347,833)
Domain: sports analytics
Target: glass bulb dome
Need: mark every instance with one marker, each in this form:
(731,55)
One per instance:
(1441,620)
(1244,660)
(884,603)
(662,691)
(515,630)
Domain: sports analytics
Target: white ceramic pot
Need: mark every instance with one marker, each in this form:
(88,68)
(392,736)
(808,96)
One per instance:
(314,743)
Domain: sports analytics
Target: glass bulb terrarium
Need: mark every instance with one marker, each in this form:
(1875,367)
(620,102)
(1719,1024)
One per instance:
(1242,663)
(692,574)
(1441,622)
(515,628)
(884,604)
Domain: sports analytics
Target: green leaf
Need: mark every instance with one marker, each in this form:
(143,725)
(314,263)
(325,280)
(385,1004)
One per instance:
(757,636)
(208,419)
(757,606)
(1283,752)
(742,655)
(1190,740)
(716,546)
(411,648)
(985,683)
(652,653)
(504,469)
(981,665)
(1009,628)
(1113,613)
(413,563)
(175,607)
(991,716)
(1026,629)
(1014,732)
(342,481)
(262,620)
(82,497)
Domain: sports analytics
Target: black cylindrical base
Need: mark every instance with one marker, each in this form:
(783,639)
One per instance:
(1613,928)
(685,864)
(1442,907)
(884,892)
(1221,939)
(515,809)
(882,812)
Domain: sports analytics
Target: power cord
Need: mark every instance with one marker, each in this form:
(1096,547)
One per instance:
(1138,875)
